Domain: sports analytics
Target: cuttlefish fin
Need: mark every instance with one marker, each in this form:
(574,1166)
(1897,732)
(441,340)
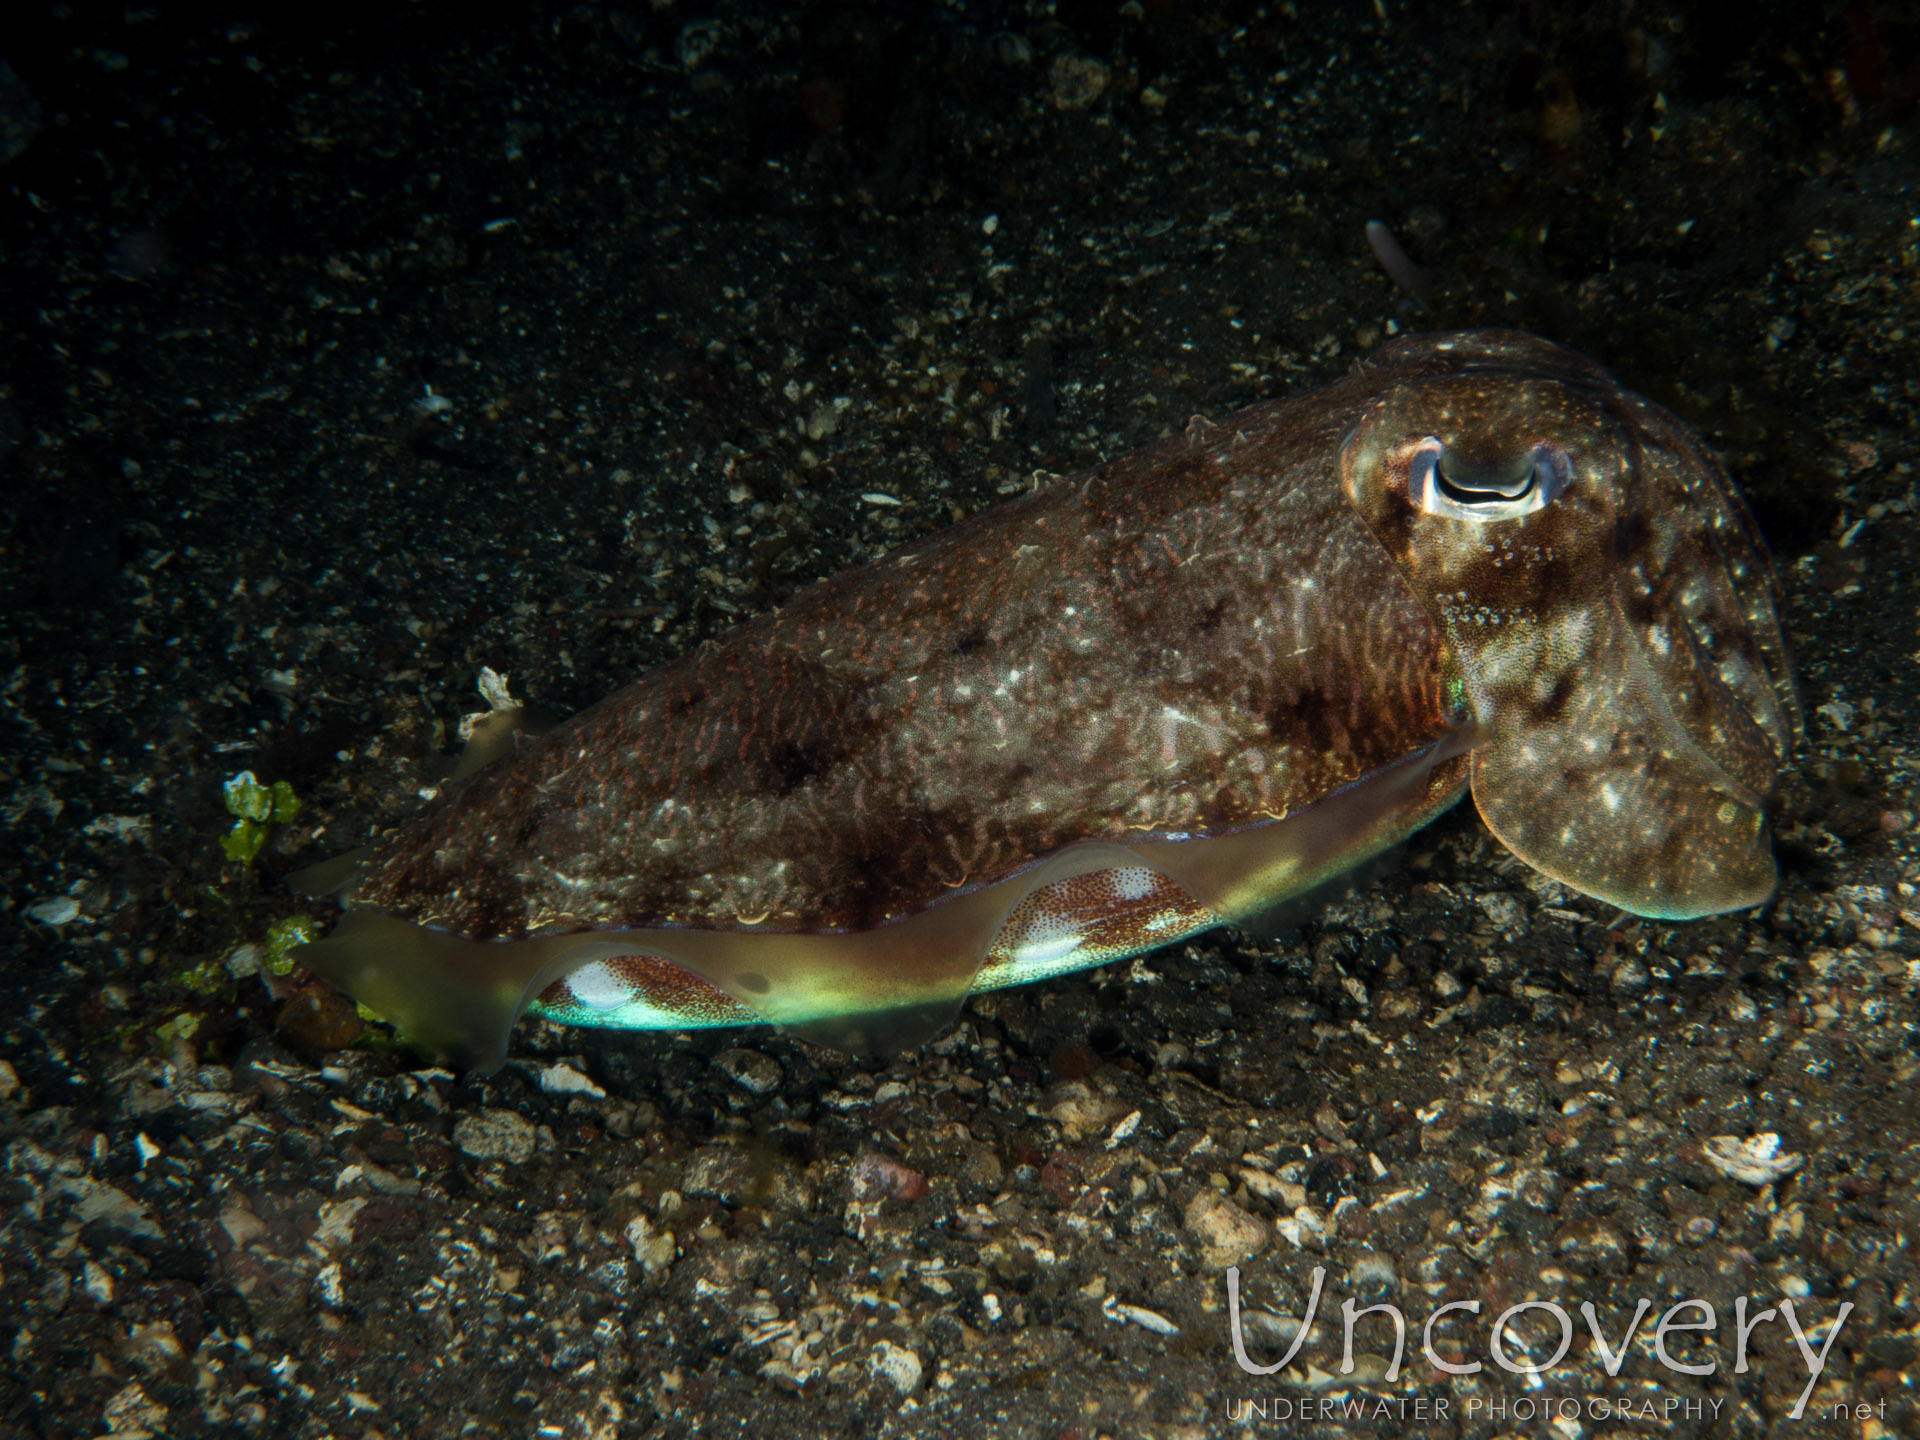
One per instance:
(878,991)
(455,997)
(1283,922)
(331,878)
(869,992)
(1248,872)
(1614,797)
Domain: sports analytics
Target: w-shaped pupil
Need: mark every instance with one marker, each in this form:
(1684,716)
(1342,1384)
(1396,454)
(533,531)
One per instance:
(1468,481)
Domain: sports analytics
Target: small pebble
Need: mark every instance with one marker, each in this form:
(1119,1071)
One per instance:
(1011,49)
(132,1411)
(1630,974)
(1262,1330)
(1227,1234)
(1078,81)
(1124,1314)
(97,1283)
(319,1019)
(330,1286)
(565,1080)
(1372,1277)
(654,1247)
(878,1177)
(897,1365)
(60,910)
(752,1071)
(1507,912)
(697,41)
(495,1135)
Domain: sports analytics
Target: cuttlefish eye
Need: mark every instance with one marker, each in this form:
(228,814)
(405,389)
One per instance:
(1443,481)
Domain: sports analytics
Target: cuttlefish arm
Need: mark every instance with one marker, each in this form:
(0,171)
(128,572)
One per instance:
(877,991)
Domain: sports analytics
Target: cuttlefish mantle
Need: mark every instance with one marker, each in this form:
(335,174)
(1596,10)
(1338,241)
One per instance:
(1158,696)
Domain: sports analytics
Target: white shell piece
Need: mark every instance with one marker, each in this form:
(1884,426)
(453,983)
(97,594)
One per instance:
(1754,1161)
(1123,1314)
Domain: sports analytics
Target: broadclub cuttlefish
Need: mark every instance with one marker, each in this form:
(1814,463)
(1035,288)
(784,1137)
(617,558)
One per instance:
(1161,695)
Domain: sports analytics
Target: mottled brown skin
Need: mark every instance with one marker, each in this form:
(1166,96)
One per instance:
(866,749)
(1243,658)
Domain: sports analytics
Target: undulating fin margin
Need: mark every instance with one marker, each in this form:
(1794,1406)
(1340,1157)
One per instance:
(877,991)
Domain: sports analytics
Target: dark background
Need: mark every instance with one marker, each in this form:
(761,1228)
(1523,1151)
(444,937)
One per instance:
(346,349)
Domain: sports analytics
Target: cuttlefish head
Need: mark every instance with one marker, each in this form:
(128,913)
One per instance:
(1609,606)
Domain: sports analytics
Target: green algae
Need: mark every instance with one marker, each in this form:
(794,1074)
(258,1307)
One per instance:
(282,936)
(257,809)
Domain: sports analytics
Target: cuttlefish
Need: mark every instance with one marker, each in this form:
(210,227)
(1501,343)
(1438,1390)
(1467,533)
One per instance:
(1158,696)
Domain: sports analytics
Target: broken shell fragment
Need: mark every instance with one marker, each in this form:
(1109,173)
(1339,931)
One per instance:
(1755,1161)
